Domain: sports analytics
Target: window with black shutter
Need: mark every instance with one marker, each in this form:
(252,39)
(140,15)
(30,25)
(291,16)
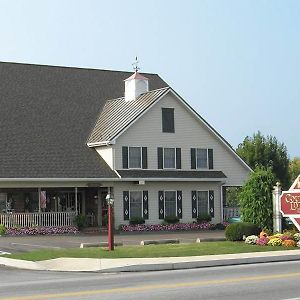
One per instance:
(168,124)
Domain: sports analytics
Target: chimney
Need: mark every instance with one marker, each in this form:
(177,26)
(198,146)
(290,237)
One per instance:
(135,85)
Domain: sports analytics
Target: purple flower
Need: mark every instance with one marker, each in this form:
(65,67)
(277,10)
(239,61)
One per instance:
(262,241)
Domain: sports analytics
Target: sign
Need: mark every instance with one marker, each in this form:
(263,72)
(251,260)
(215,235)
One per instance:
(290,203)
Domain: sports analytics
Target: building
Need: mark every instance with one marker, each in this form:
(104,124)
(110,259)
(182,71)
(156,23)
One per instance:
(70,135)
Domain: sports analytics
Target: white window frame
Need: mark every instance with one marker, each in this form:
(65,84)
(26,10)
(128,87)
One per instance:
(130,202)
(165,202)
(198,209)
(207,163)
(141,162)
(174,158)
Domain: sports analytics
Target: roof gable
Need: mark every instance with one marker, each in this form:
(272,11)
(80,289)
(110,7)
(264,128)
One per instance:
(118,115)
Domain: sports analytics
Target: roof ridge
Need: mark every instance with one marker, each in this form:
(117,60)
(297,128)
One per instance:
(70,67)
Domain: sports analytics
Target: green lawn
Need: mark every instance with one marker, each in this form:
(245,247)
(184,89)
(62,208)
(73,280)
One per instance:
(204,248)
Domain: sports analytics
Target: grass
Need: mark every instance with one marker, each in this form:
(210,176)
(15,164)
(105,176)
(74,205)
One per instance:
(195,249)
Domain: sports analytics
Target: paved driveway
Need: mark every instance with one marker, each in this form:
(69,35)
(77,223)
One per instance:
(28,243)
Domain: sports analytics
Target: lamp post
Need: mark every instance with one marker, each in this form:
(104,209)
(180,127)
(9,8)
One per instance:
(110,203)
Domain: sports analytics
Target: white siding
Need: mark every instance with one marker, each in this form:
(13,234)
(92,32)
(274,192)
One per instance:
(189,133)
(153,188)
(106,152)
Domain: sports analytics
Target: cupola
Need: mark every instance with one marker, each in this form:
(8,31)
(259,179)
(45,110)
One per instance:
(135,85)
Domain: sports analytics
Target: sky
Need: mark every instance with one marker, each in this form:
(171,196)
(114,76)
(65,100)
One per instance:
(236,62)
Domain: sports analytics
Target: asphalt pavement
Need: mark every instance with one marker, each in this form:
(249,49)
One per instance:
(271,281)
(13,244)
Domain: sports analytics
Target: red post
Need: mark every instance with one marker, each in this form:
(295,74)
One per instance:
(110,228)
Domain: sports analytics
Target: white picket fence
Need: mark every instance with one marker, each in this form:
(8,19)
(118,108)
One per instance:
(231,212)
(46,219)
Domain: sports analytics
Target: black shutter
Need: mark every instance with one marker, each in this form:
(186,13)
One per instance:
(193,158)
(210,158)
(178,158)
(144,158)
(194,204)
(145,205)
(125,157)
(160,157)
(179,204)
(211,201)
(126,205)
(161,205)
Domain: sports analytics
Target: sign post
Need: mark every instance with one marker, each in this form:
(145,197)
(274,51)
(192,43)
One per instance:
(290,203)
(277,222)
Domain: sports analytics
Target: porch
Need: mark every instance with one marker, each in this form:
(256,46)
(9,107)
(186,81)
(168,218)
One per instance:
(52,207)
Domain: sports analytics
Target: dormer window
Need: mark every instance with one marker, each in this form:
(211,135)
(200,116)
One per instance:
(168,124)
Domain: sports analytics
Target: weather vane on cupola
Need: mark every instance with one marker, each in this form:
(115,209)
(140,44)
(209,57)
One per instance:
(135,65)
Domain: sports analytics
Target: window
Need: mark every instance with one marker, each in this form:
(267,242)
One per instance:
(136,205)
(169,158)
(134,157)
(168,120)
(202,202)
(170,204)
(201,158)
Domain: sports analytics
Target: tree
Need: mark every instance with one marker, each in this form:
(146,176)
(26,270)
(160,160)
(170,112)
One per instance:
(268,152)
(256,198)
(294,169)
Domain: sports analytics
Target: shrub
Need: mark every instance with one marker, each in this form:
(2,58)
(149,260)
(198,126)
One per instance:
(236,231)
(203,218)
(298,244)
(256,198)
(218,226)
(296,237)
(289,243)
(251,239)
(136,220)
(171,220)
(262,241)
(80,221)
(275,242)
(2,229)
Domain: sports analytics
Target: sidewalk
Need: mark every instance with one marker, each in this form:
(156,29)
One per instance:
(150,264)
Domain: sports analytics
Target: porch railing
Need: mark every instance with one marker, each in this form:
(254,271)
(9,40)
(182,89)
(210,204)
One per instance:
(231,212)
(46,219)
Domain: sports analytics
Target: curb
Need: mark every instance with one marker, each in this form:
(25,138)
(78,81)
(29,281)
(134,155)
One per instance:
(150,264)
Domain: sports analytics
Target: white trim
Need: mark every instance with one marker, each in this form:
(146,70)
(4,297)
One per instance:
(221,203)
(104,143)
(174,179)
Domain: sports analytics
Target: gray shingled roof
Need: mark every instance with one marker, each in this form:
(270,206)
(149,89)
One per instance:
(118,114)
(171,174)
(47,114)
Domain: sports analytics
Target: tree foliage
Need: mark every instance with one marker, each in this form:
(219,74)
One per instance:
(256,198)
(294,169)
(268,152)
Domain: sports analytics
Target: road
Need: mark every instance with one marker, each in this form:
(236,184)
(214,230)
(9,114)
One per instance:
(259,281)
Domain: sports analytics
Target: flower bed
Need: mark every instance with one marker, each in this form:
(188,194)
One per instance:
(288,239)
(168,227)
(41,230)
